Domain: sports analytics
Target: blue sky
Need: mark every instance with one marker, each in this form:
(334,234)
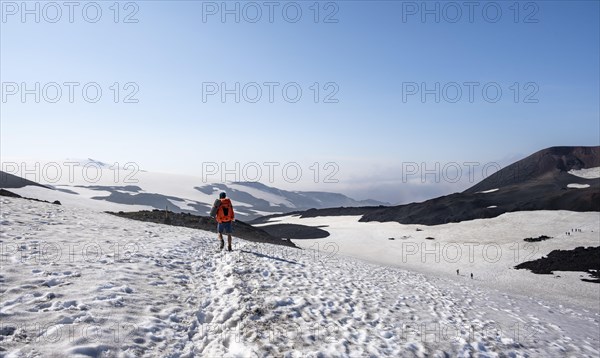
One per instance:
(372,55)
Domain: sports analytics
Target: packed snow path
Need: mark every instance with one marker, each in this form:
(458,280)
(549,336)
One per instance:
(82,283)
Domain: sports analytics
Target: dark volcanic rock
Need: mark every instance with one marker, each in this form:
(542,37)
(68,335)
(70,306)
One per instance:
(10,194)
(536,239)
(538,182)
(542,165)
(241,229)
(458,207)
(295,231)
(9,181)
(312,213)
(578,259)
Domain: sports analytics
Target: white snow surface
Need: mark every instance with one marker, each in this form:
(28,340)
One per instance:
(588,173)
(82,200)
(578,186)
(488,191)
(488,248)
(75,282)
(76,180)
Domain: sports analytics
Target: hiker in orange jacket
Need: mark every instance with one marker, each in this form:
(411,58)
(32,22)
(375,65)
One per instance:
(222,210)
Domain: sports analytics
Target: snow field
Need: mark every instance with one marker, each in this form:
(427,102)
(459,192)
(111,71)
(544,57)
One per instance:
(488,248)
(89,284)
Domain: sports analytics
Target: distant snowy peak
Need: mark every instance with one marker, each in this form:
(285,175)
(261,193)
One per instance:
(321,198)
(315,199)
(93,183)
(87,162)
(265,198)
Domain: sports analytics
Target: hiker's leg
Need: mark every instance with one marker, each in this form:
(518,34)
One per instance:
(229,241)
(221,242)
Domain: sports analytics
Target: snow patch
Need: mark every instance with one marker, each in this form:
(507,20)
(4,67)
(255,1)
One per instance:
(588,173)
(578,186)
(488,191)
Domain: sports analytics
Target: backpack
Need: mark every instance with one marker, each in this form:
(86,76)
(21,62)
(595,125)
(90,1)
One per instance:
(225,211)
(215,207)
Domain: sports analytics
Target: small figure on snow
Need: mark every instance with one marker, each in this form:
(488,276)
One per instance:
(471,275)
(456,271)
(222,210)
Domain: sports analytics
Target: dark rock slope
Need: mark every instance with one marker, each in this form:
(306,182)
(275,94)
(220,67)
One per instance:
(241,229)
(538,182)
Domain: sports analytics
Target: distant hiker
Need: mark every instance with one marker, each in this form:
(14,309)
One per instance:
(222,210)
(471,275)
(457,271)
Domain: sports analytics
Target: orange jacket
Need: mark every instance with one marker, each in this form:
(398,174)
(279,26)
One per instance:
(225,211)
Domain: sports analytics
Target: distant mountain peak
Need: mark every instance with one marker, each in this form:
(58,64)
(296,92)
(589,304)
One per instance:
(550,179)
(545,163)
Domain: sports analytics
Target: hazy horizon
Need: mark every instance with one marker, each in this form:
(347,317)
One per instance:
(407,184)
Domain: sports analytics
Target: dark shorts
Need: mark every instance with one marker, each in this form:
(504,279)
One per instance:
(225,227)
